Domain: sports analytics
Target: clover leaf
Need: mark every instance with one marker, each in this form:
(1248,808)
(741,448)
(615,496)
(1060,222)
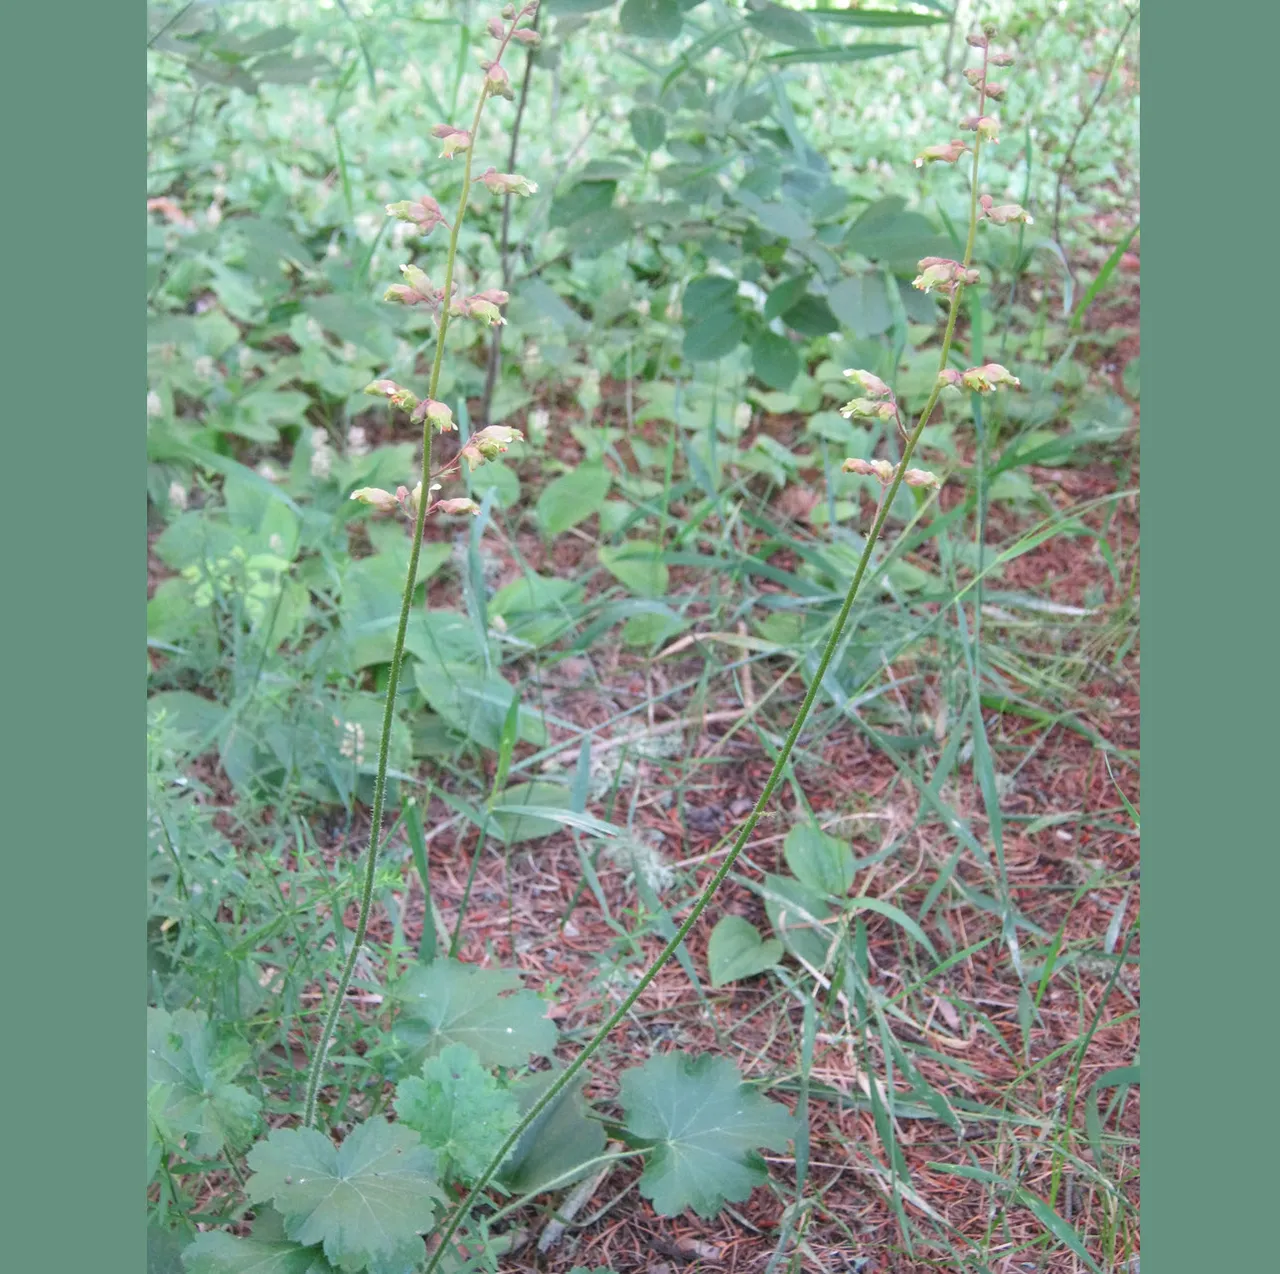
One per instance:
(366,1201)
(704,1124)
(460,1110)
(447,1002)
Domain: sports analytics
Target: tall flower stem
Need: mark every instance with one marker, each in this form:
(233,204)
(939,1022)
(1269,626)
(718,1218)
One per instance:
(397,654)
(570,1073)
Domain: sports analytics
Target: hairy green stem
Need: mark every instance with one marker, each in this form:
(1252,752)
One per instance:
(568,1075)
(397,654)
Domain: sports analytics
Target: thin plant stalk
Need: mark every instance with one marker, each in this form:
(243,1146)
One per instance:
(571,1072)
(397,655)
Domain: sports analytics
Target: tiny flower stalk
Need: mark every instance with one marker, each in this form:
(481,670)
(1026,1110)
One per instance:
(877,401)
(435,417)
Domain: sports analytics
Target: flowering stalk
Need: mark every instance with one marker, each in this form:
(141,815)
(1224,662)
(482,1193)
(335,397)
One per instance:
(487,444)
(879,402)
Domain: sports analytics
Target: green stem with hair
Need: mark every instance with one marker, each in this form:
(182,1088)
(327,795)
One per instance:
(397,654)
(570,1073)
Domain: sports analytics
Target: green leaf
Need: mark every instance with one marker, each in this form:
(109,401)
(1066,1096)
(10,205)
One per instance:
(797,915)
(878,17)
(785,26)
(368,1200)
(888,233)
(811,316)
(532,593)
(447,1002)
(844,53)
(818,861)
(648,128)
(637,565)
(785,295)
(582,200)
(513,817)
(736,951)
(184,1054)
(460,1110)
(651,19)
(473,703)
(708,293)
(573,497)
(774,360)
(558,1145)
(705,1125)
(711,336)
(861,303)
(216,1252)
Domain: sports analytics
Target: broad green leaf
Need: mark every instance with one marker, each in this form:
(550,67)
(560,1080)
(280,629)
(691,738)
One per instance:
(447,1002)
(558,1145)
(785,294)
(515,819)
(473,703)
(573,497)
(706,294)
(183,1052)
(533,592)
(811,316)
(705,1126)
(736,951)
(651,19)
(782,25)
(637,565)
(582,200)
(367,1201)
(713,335)
(887,232)
(774,360)
(189,714)
(652,627)
(819,861)
(800,917)
(861,303)
(460,1110)
(648,128)
(216,1252)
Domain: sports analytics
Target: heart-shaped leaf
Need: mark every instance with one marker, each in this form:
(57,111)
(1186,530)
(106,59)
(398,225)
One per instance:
(819,861)
(736,951)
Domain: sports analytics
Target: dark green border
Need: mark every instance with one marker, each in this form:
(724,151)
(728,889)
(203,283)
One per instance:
(73,462)
(1209,703)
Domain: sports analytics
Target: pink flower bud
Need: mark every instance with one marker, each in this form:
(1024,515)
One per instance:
(483,306)
(497,79)
(950,378)
(996,92)
(871,385)
(944,153)
(974,75)
(437,413)
(921,478)
(488,444)
(1001,59)
(869,409)
(507,183)
(989,29)
(395,394)
(496,28)
(457,506)
(381,500)
(970,123)
(986,379)
(455,140)
(938,272)
(989,129)
(976,41)
(423,212)
(416,290)
(530,38)
(881,470)
(1003,214)
(508,11)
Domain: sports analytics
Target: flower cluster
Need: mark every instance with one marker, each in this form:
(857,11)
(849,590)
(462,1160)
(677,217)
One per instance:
(880,403)
(944,274)
(982,380)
